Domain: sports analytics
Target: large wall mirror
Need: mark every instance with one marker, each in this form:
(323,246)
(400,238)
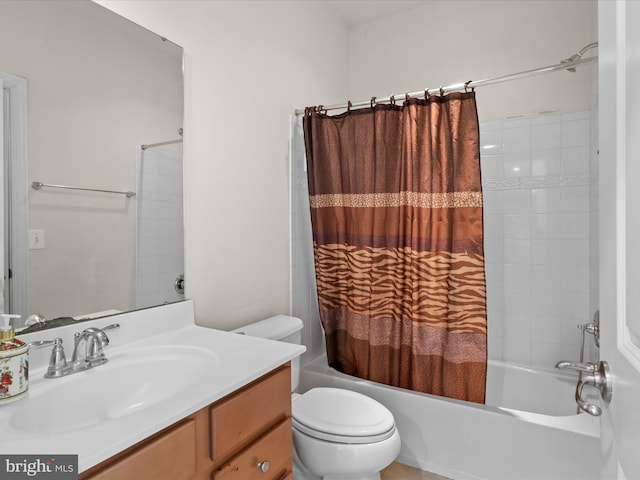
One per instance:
(83,91)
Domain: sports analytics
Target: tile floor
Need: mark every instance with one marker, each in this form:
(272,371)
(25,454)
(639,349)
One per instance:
(398,471)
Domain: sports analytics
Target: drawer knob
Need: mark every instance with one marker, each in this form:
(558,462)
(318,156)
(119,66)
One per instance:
(263,466)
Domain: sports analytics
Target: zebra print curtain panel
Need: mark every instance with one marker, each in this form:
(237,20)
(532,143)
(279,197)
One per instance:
(396,208)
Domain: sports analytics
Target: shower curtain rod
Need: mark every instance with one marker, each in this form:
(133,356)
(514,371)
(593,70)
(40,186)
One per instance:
(159,144)
(566,65)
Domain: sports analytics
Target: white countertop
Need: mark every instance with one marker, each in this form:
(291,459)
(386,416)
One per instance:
(232,361)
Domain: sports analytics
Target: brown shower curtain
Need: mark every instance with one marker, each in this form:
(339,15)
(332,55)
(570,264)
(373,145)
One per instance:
(396,209)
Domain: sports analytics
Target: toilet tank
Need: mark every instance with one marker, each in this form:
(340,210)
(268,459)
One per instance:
(282,328)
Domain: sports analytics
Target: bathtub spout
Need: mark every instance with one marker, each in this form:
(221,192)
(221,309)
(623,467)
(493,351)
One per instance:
(577,366)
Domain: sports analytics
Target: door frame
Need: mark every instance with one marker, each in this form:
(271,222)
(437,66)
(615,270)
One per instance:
(16,170)
(619,233)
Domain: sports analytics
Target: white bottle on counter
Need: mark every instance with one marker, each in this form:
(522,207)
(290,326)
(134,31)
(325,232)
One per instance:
(14,363)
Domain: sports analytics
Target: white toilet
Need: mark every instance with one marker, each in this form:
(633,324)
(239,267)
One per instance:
(338,434)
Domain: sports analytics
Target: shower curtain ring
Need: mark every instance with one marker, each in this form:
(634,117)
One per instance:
(373,102)
(426,94)
(392,99)
(406,97)
(441,91)
(349,106)
(466,86)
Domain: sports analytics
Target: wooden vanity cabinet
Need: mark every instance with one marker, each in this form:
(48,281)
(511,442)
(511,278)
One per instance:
(244,436)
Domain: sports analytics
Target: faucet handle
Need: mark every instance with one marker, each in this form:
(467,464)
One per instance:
(42,343)
(57,361)
(34,319)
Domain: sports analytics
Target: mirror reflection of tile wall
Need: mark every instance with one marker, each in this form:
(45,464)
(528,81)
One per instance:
(159,226)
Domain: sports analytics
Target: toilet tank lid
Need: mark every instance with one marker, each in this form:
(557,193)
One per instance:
(273,328)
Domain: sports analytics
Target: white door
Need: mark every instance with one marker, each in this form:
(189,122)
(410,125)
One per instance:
(13,169)
(619,91)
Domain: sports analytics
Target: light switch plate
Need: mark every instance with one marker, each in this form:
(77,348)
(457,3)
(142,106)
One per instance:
(36,239)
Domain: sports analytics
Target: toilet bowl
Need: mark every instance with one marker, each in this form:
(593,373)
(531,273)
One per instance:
(338,434)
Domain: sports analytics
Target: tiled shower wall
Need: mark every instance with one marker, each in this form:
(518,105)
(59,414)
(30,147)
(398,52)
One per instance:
(159,226)
(537,192)
(540,243)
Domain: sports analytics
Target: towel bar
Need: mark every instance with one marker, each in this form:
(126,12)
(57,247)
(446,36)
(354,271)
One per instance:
(40,185)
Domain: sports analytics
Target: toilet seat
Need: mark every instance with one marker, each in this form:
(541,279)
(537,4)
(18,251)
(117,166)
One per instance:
(342,416)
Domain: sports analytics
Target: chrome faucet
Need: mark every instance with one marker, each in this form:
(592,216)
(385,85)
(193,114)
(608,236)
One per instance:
(88,352)
(89,347)
(597,375)
(577,366)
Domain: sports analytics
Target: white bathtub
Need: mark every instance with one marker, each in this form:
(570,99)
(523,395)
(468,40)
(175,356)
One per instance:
(527,430)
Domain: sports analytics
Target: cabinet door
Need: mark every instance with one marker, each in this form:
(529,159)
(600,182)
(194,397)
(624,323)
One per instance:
(244,416)
(273,451)
(171,456)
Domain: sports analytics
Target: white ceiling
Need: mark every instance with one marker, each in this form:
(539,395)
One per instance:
(356,12)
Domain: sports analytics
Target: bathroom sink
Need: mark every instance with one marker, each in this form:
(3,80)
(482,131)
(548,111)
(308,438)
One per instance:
(128,383)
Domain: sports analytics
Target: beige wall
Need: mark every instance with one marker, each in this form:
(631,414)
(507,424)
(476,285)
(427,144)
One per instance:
(97,86)
(248,66)
(455,41)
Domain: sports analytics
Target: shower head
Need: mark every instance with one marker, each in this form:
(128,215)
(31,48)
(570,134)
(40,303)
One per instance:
(578,56)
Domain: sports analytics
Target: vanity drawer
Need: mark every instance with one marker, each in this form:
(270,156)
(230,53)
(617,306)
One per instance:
(273,447)
(241,418)
(172,455)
